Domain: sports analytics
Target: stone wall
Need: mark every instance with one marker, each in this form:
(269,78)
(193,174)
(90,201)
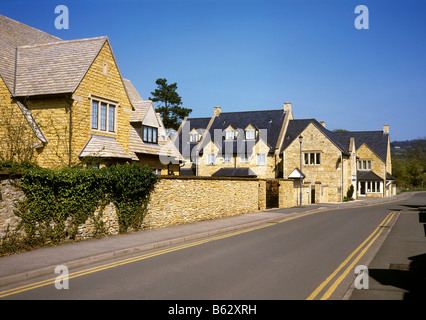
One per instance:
(177,200)
(174,200)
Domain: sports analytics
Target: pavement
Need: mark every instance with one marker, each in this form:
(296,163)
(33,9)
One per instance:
(404,249)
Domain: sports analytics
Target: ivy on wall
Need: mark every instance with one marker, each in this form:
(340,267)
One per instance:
(59,201)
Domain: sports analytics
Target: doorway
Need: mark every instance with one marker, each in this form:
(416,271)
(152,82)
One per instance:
(362,189)
(312,194)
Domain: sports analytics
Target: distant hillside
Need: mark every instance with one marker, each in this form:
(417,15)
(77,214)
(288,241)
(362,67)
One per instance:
(399,147)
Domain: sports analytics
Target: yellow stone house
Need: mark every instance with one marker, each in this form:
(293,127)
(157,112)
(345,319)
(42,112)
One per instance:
(272,144)
(75,102)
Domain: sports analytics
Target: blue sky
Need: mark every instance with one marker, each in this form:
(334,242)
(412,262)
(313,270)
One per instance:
(247,55)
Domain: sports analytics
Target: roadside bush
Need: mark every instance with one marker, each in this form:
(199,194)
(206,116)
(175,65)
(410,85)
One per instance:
(59,201)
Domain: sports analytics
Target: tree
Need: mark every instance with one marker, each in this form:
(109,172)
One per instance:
(171,112)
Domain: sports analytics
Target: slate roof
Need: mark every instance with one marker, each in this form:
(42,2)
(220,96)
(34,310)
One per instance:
(296,127)
(54,67)
(103,147)
(269,120)
(235,172)
(182,142)
(375,140)
(136,144)
(371,176)
(15,34)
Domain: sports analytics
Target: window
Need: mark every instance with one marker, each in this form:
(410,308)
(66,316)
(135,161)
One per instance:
(373,186)
(364,164)
(229,135)
(250,134)
(103,116)
(312,158)
(195,137)
(150,134)
(227,158)
(261,159)
(244,158)
(211,159)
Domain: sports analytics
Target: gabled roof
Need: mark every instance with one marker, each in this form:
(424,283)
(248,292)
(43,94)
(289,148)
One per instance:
(182,142)
(54,68)
(15,34)
(296,127)
(269,120)
(164,147)
(377,141)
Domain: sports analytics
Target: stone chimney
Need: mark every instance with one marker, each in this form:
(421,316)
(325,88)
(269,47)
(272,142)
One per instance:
(287,106)
(386,128)
(322,123)
(217,111)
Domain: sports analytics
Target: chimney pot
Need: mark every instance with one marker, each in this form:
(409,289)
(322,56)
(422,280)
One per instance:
(287,106)
(386,128)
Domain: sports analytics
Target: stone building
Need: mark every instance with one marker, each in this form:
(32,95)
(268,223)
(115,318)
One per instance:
(75,102)
(267,145)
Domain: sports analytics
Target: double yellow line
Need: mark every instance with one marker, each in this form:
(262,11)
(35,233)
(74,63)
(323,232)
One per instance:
(120,263)
(360,250)
(188,245)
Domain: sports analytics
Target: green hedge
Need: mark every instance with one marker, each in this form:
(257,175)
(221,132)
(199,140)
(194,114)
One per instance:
(55,196)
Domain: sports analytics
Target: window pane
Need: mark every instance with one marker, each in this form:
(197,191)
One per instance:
(318,158)
(111,118)
(261,159)
(149,135)
(369,164)
(94,114)
(145,134)
(103,116)
(306,158)
(312,158)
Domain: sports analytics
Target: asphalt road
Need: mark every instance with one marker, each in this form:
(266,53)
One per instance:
(290,259)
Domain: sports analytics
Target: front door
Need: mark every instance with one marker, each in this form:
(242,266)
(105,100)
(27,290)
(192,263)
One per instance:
(312,194)
(362,189)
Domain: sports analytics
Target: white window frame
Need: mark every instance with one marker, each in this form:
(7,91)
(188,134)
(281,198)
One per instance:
(229,135)
(261,159)
(250,134)
(312,158)
(211,159)
(364,164)
(194,137)
(108,104)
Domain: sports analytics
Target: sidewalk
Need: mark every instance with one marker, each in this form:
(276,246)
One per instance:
(39,262)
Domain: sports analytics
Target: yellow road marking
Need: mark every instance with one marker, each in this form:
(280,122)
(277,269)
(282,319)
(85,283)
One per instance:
(374,235)
(164,251)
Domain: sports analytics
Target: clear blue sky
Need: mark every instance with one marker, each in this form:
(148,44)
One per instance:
(257,54)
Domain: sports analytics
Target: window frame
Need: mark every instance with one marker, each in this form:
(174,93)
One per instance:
(110,114)
(252,132)
(312,158)
(150,136)
(261,156)
(364,164)
(211,159)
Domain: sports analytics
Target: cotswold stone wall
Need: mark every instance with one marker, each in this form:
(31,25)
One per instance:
(174,200)
(178,200)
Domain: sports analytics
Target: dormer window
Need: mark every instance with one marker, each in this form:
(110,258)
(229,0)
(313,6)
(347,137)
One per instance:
(250,134)
(194,137)
(150,134)
(230,135)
